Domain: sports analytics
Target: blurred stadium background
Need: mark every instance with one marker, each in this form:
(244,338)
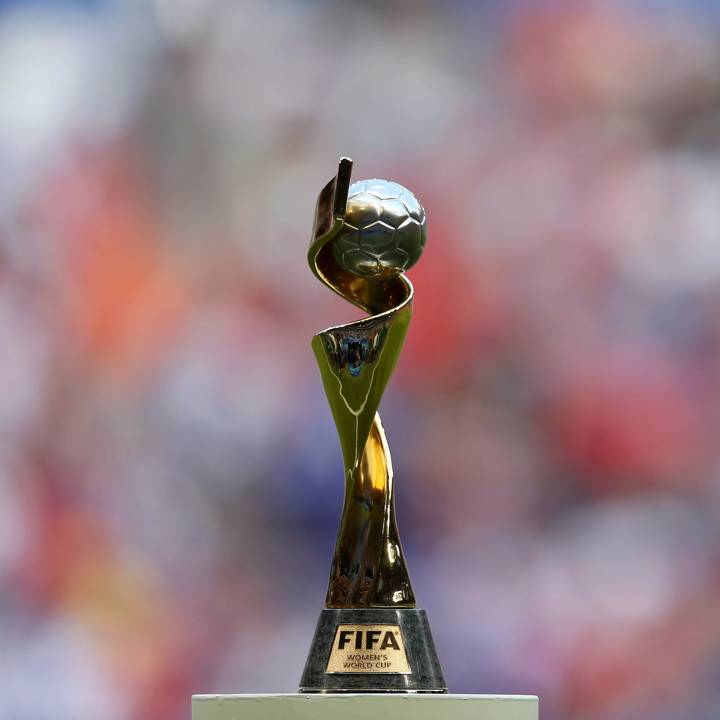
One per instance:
(170,477)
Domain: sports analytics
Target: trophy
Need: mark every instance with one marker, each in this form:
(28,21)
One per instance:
(370,637)
(372,654)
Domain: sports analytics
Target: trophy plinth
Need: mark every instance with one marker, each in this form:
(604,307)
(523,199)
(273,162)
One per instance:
(372,650)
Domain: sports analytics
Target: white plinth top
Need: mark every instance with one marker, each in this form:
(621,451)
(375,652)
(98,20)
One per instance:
(348,706)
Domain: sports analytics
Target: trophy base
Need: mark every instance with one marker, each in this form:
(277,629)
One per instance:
(361,707)
(372,650)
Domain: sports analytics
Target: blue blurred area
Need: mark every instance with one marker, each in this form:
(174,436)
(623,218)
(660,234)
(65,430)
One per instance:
(62,4)
(170,476)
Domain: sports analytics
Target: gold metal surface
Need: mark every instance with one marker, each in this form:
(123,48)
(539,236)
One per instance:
(356,361)
(368,649)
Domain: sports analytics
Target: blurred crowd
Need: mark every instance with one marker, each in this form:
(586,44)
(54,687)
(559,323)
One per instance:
(170,476)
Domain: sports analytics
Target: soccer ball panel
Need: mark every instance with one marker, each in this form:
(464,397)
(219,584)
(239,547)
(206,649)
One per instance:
(362,263)
(384,189)
(394,213)
(363,209)
(357,187)
(410,236)
(413,207)
(376,237)
(394,256)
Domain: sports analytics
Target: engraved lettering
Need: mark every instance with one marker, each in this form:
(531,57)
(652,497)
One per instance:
(368,649)
(345,636)
(389,641)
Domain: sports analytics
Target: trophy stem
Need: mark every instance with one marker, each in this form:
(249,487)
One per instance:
(368,568)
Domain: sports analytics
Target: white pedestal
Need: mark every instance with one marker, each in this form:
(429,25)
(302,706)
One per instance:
(362,707)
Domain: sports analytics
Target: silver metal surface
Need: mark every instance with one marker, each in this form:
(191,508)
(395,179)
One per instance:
(384,230)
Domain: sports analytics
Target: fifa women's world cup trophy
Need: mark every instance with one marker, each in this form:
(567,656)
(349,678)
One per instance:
(372,654)
(370,637)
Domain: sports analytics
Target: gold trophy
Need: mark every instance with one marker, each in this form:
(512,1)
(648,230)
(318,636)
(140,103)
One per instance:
(372,654)
(370,637)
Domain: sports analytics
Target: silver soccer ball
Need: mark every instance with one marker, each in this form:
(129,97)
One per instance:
(384,231)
